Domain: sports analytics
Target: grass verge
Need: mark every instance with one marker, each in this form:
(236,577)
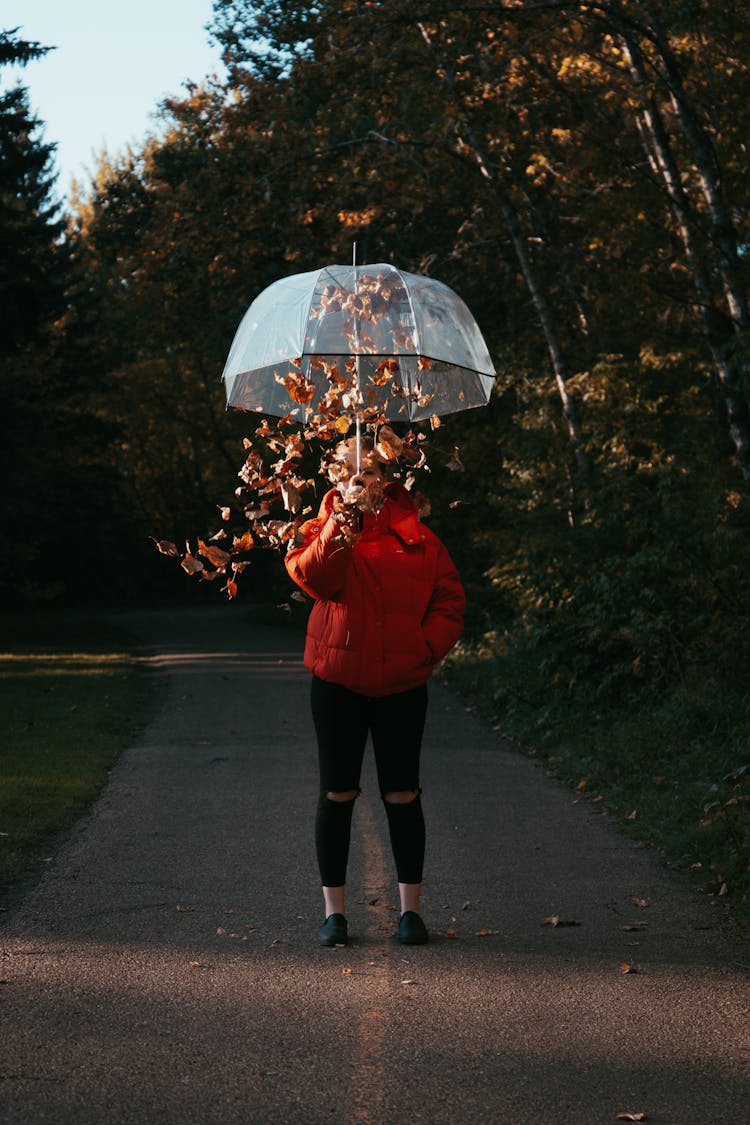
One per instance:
(673,771)
(72,697)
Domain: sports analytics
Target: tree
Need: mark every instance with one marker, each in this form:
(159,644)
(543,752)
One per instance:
(31,267)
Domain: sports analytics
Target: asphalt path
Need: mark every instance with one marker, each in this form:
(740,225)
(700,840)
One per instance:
(165,969)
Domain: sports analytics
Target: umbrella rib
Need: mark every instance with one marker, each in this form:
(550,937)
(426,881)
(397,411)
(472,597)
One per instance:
(417,350)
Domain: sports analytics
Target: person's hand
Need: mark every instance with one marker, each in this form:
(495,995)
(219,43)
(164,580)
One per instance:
(352,490)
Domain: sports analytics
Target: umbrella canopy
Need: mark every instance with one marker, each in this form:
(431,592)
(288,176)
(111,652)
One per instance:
(371,340)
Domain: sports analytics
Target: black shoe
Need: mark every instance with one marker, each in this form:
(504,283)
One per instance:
(411,929)
(334,930)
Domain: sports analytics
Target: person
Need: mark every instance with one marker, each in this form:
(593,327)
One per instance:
(388,606)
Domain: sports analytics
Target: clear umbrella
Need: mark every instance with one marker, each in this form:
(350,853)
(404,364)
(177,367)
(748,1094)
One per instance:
(363,343)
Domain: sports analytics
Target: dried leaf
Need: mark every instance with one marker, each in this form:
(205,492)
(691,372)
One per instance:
(389,445)
(191,565)
(631,1117)
(435,422)
(225,512)
(164,547)
(346,971)
(640,902)
(243,543)
(488,933)
(555,920)
(292,498)
(455,464)
(628,967)
(215,555)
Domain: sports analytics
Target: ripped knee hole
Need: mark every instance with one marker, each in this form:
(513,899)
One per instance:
(347,795)
(401,797)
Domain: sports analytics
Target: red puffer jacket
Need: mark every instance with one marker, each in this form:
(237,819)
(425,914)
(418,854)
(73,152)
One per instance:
(387,609)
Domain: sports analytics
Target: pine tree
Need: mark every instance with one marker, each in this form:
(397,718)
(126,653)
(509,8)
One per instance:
(31,264)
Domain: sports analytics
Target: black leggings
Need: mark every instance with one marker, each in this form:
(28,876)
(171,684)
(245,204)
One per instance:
(343,719)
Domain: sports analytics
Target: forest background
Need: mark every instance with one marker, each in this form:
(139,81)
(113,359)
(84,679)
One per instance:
(578,173)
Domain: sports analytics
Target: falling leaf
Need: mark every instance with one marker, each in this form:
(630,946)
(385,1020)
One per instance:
(215,555)
(243,543)
(455,464)
(292,498)
(389,445)
(165,547)
(212,575)
(191,565)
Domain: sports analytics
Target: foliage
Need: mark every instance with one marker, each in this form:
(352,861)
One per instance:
(577,173)
(72,697)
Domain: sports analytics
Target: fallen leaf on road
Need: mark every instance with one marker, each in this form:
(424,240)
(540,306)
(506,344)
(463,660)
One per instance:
(467,905)
(185,909)
(196,965)
(346,972)
(628,967)
(640,902)
(451,933)
(630,926)
(221,931)
(631,1117)
(409,980)
(556,920)
(488,933)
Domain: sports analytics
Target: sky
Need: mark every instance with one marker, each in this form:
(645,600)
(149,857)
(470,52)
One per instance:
(113,64)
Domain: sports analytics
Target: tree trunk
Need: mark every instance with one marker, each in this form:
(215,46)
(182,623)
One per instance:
(657,147)
(704,159)
(538,296)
